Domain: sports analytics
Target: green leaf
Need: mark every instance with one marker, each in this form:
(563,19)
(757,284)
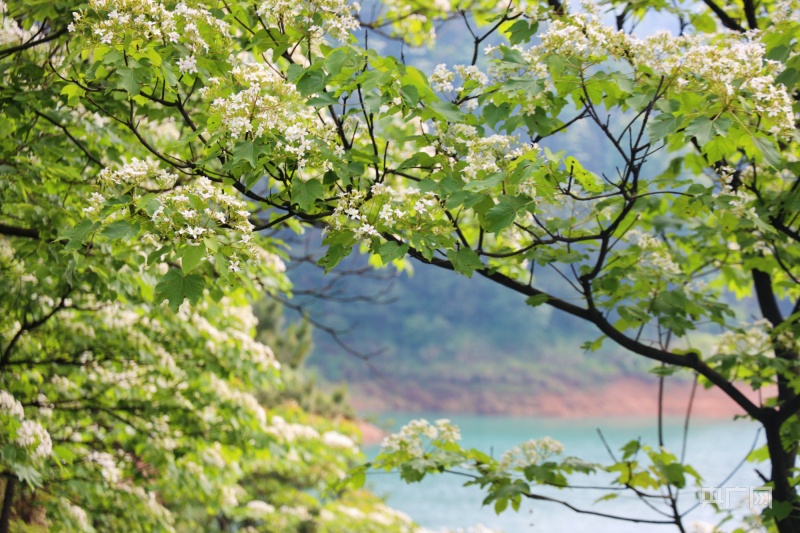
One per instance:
(332,257)
(587,180)
(630,449)
(526,85)
(767,148)
(502,214)
(390,251)
(158,254)
(79,234)
(175,286)
(191,256)
(121,229)
(245,151)
(448,110)
(311,82)
(484,184)
(336,60)
(537,300)
(522,31)
(323,100)
(663,125)
(304,193)
(499,217)
(465,261)
(131,80)
(73,91)
(609,496)
(493,114)
(701,129)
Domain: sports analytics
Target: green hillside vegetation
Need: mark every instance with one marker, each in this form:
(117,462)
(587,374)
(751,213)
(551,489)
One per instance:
(445,333)
(293,343)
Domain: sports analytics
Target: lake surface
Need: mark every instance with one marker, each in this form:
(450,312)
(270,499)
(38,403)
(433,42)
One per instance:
(715,448)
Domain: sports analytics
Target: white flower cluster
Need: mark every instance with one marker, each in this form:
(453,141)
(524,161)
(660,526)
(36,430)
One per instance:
(290,432)
(259,508)
(33,436)
(334,439)
(338,18)
(152,20)
(582,35)
(6,251)
(230,494)
(212,455)
(200,208)
(127,376)
(386,516)
(137,173)
(380,515)
(442,79)
(254,351)
(755,339)
(79,516)
(150,500)
(45,405)
(96,201)
(243,399)
(729,67)
(187,64)
(108,466)
(740,201)
(471,73)
(388,209)
(352,512)
(528,9)
(531,452)
(411,437)
(11,33)
(185,214)
(483,155)
(10,406)
(786,11)
(655,254)
(267,106)
(725,69)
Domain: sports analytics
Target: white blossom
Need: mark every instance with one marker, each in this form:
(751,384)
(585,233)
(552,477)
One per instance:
(9,405)
(33,436)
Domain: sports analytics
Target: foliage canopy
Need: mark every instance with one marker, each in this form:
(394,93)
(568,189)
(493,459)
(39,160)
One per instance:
(146,144)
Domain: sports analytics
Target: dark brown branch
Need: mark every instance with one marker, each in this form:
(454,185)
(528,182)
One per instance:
(30,44)
(723,17)
(766,297)
(750,14)
(578,510)
(12,231)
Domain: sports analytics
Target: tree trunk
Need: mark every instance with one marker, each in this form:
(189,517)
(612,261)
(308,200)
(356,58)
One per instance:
(8,500)
(782,492)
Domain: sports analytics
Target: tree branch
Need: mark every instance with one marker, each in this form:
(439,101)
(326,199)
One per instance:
(766,297)
(12,231)
(30,44)
(723,17)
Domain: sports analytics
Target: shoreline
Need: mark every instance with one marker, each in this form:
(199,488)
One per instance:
(624,398)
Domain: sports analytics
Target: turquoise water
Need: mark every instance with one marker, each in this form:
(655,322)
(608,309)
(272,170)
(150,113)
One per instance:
(714,448)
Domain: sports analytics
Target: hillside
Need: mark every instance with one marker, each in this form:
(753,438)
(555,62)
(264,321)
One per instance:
(448,341)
